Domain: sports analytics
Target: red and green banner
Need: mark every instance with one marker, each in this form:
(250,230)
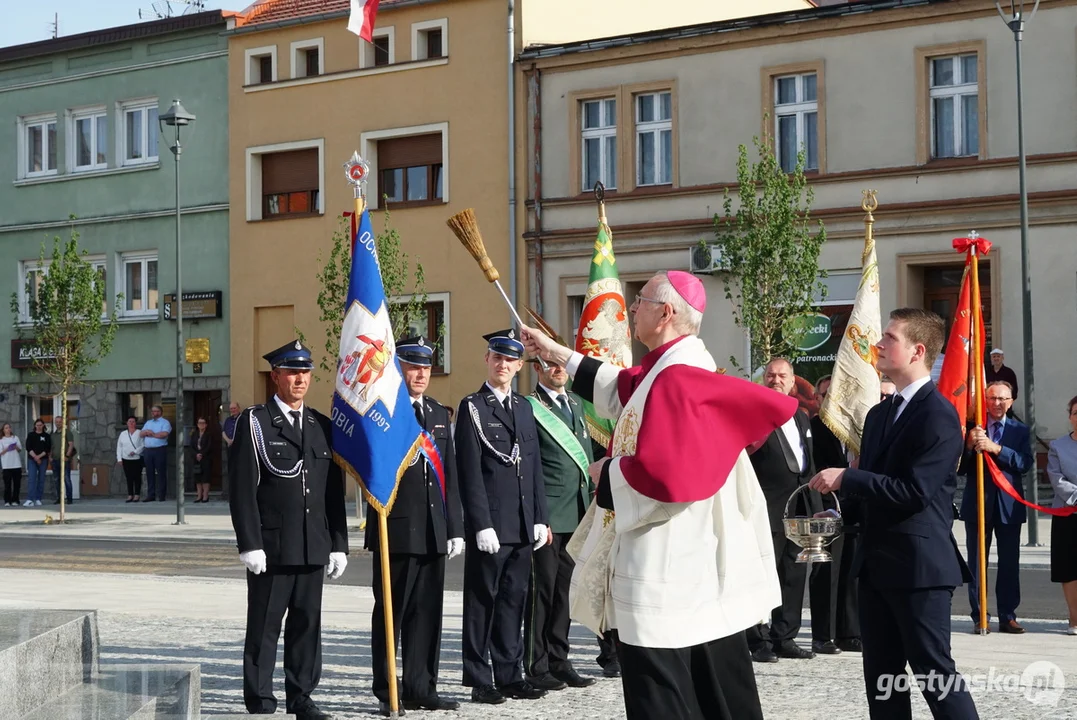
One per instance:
(603,331)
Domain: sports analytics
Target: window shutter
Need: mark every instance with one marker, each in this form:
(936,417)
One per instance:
(409,151)
(292,171)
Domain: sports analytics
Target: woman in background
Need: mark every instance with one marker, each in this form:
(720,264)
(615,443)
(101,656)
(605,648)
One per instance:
(38,449)
(11,462)
(1062,472)
(129,454)
(202,446)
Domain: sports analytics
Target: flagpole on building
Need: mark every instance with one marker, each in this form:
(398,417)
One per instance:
(977,363)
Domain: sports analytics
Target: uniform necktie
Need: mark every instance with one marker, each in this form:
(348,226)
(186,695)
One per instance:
(507,402)
(418,412)
(562,400)
(295,422)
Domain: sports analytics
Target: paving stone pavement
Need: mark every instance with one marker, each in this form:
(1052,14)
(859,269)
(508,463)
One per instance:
(147,619)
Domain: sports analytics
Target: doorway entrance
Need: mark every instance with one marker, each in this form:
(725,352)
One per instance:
(207,404)
(942,289)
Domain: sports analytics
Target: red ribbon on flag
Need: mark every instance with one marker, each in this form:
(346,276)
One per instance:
(1004,484)
(963,245)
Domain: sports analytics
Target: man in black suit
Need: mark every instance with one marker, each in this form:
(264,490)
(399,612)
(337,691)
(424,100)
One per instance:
(286,496)
(834,623)
(908,563)
(423,529)
(565,447)
(504,499)
(783,463)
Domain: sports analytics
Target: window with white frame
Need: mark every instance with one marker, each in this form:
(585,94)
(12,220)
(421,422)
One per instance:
(796,120)
(261,65)
(432,322)
(88,146)
(32,273)
(955,106)
(430,39)
(37,146)
(138,276)
(307,58)
(140,132)
(381,52)
(599,142)
(654,139)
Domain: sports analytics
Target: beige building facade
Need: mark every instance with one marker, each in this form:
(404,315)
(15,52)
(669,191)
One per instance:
(917,102)
(427,105)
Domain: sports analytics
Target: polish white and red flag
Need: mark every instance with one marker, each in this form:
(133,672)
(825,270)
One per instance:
(362,17)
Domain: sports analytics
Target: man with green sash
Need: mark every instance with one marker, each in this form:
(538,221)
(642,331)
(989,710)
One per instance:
(565,448)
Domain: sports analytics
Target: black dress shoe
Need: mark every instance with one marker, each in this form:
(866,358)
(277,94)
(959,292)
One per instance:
(386,711)
(612,669)
(546,682)
(825,648)
(764,655)
(521,690)
(311,712)
(487,694)
(573,679)
(431,703)
(793,651)
(850,645)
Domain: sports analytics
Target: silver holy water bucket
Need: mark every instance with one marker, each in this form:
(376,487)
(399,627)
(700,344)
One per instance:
(812,534)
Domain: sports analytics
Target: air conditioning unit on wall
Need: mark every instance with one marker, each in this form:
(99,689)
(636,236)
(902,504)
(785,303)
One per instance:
(705,259)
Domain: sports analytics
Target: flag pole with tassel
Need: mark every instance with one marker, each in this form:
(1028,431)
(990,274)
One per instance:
(977,377)
(357,170)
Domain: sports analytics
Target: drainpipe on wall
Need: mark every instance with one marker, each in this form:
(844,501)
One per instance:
(534,108)
(512,151)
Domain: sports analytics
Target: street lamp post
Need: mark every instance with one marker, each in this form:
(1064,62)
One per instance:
(1016,22)
(177,117)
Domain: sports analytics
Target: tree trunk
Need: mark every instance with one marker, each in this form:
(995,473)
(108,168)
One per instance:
(63,455)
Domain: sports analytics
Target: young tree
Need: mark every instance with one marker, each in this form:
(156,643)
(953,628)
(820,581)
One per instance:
(65,302)
(770,254)
(396,275)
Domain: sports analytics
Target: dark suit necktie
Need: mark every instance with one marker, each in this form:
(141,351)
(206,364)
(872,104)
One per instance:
(892,412)
(996,432)
(562,401)
(418,413)
(296,423)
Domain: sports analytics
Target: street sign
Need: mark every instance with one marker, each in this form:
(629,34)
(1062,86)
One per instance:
(196,305)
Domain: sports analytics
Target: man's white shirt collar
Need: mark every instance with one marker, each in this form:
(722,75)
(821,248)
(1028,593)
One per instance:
(553,394)
(909,393)
(284,408)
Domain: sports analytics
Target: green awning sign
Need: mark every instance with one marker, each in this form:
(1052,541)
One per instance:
(807,331)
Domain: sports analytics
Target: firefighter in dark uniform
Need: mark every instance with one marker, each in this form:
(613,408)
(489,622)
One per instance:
(423,529)
(287,503)
(565,448)
(504,499)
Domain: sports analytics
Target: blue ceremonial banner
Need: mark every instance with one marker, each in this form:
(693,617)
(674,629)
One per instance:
(375,434)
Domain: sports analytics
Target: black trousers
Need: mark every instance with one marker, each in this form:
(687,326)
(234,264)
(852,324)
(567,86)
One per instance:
(495,588)
(297,590)
(12,480)
(711,681)
(546,619)
(418,586)
(823,592)
(784,619)
(847,603)
(132,470)
(913,626)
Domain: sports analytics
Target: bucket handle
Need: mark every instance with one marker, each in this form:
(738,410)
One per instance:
(792,495)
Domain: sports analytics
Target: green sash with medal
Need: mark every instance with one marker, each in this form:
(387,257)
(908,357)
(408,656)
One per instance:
(559,431)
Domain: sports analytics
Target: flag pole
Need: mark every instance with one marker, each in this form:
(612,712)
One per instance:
(977,378)
(383,549)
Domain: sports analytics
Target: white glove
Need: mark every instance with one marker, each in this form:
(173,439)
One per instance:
(456,546)
(255,560)
(337,562)
(540,536)
(486,541)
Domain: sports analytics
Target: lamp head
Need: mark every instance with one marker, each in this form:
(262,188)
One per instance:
(176,115)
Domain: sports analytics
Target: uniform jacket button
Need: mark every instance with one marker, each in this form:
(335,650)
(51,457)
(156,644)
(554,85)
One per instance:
(308,511)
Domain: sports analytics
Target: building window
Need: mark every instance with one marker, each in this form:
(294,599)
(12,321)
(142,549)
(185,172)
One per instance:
(140,132)
(796,120)
(954,93)
(307,58)
(411,169)
(261,66)
(290,183)
(654,139)
(32,273)
(380,52)
(430,40)
(138,405)
(599,142)
(139,278)
(89,140)
(432,323)
(37,146)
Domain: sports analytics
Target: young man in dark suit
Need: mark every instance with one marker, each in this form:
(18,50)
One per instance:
(1007,441)
(504,500)
(424,529)
(565,447)
(908,563)
(783,462)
